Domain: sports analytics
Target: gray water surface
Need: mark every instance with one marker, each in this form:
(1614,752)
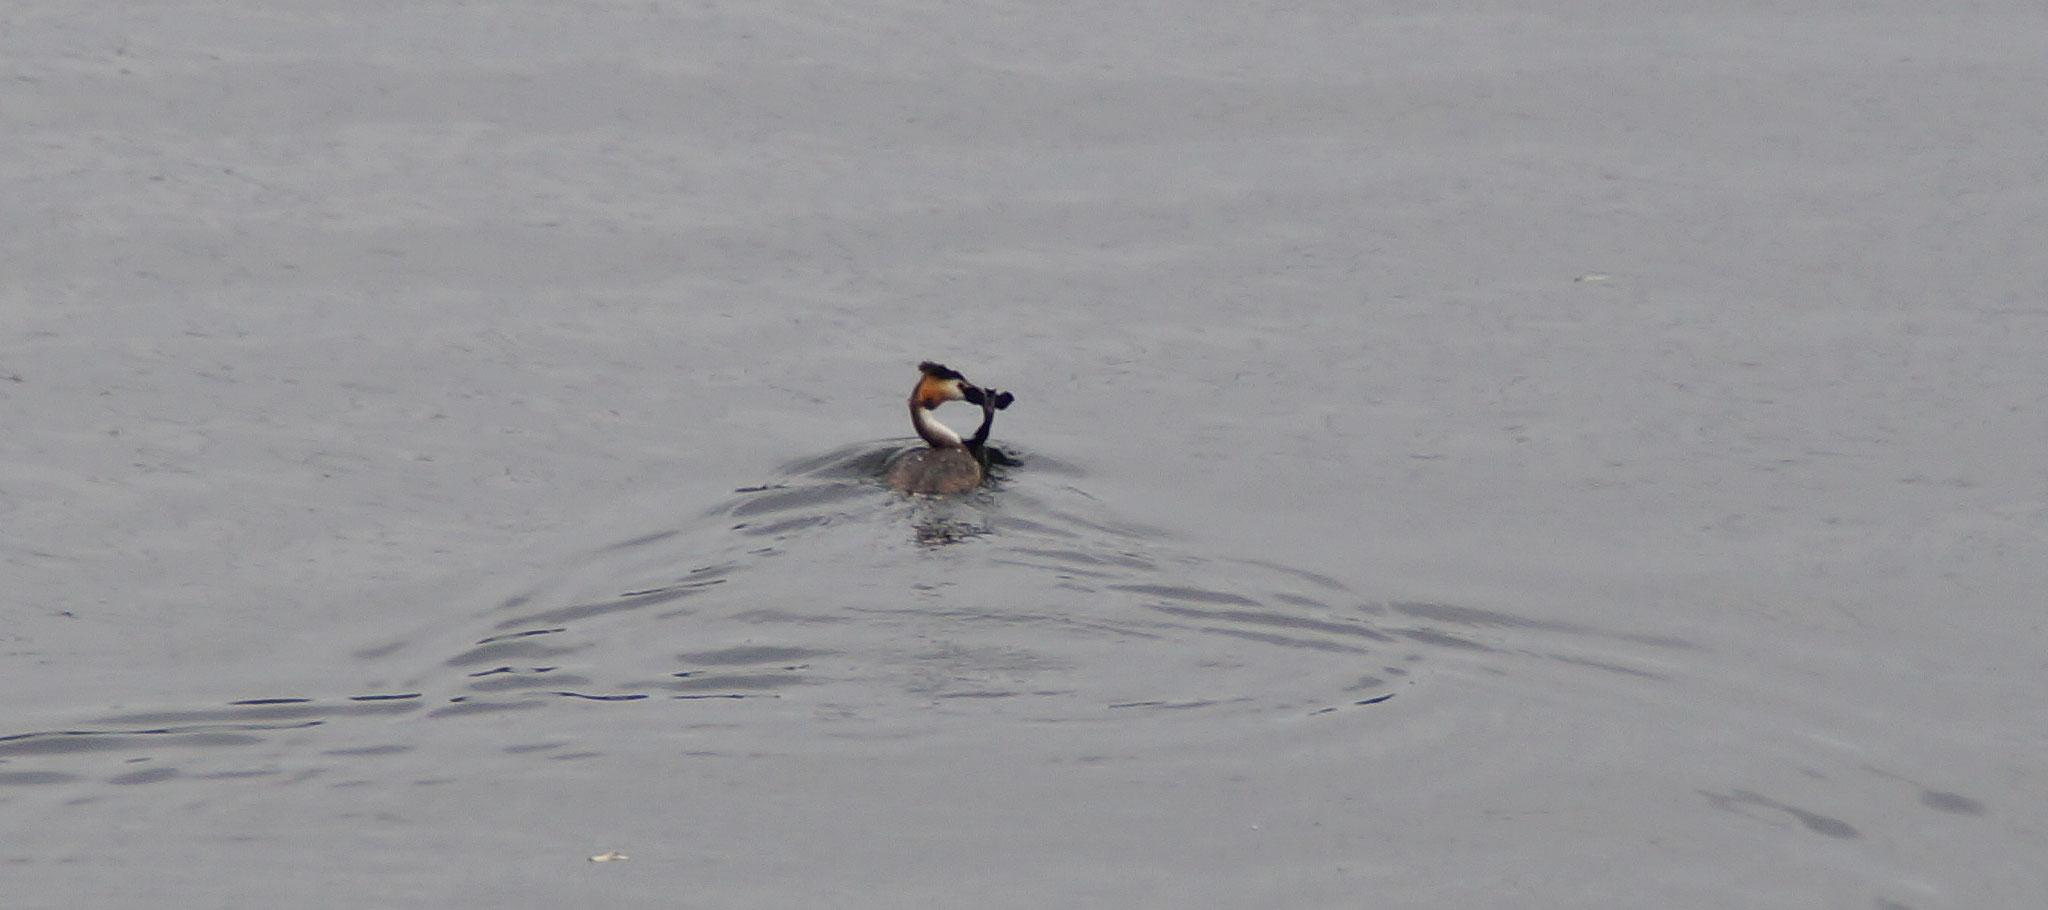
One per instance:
(1514,456)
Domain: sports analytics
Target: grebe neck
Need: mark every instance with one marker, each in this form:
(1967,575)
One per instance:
(936,434)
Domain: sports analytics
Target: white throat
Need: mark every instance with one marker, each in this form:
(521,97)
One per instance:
(929,427)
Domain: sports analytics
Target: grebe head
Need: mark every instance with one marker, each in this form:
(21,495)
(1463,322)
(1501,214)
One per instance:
(939,384)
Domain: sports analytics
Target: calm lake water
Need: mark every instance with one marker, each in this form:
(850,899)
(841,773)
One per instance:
(1521,456)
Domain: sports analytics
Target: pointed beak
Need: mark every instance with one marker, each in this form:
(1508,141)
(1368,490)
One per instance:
(971,394)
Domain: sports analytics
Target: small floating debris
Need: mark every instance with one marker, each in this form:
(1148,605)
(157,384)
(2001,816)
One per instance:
(610,856)
(1592,278)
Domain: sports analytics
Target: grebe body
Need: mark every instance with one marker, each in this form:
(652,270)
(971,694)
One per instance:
(936,471)
(946,464)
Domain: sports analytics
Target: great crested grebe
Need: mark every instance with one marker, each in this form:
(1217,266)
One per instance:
(947,463)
